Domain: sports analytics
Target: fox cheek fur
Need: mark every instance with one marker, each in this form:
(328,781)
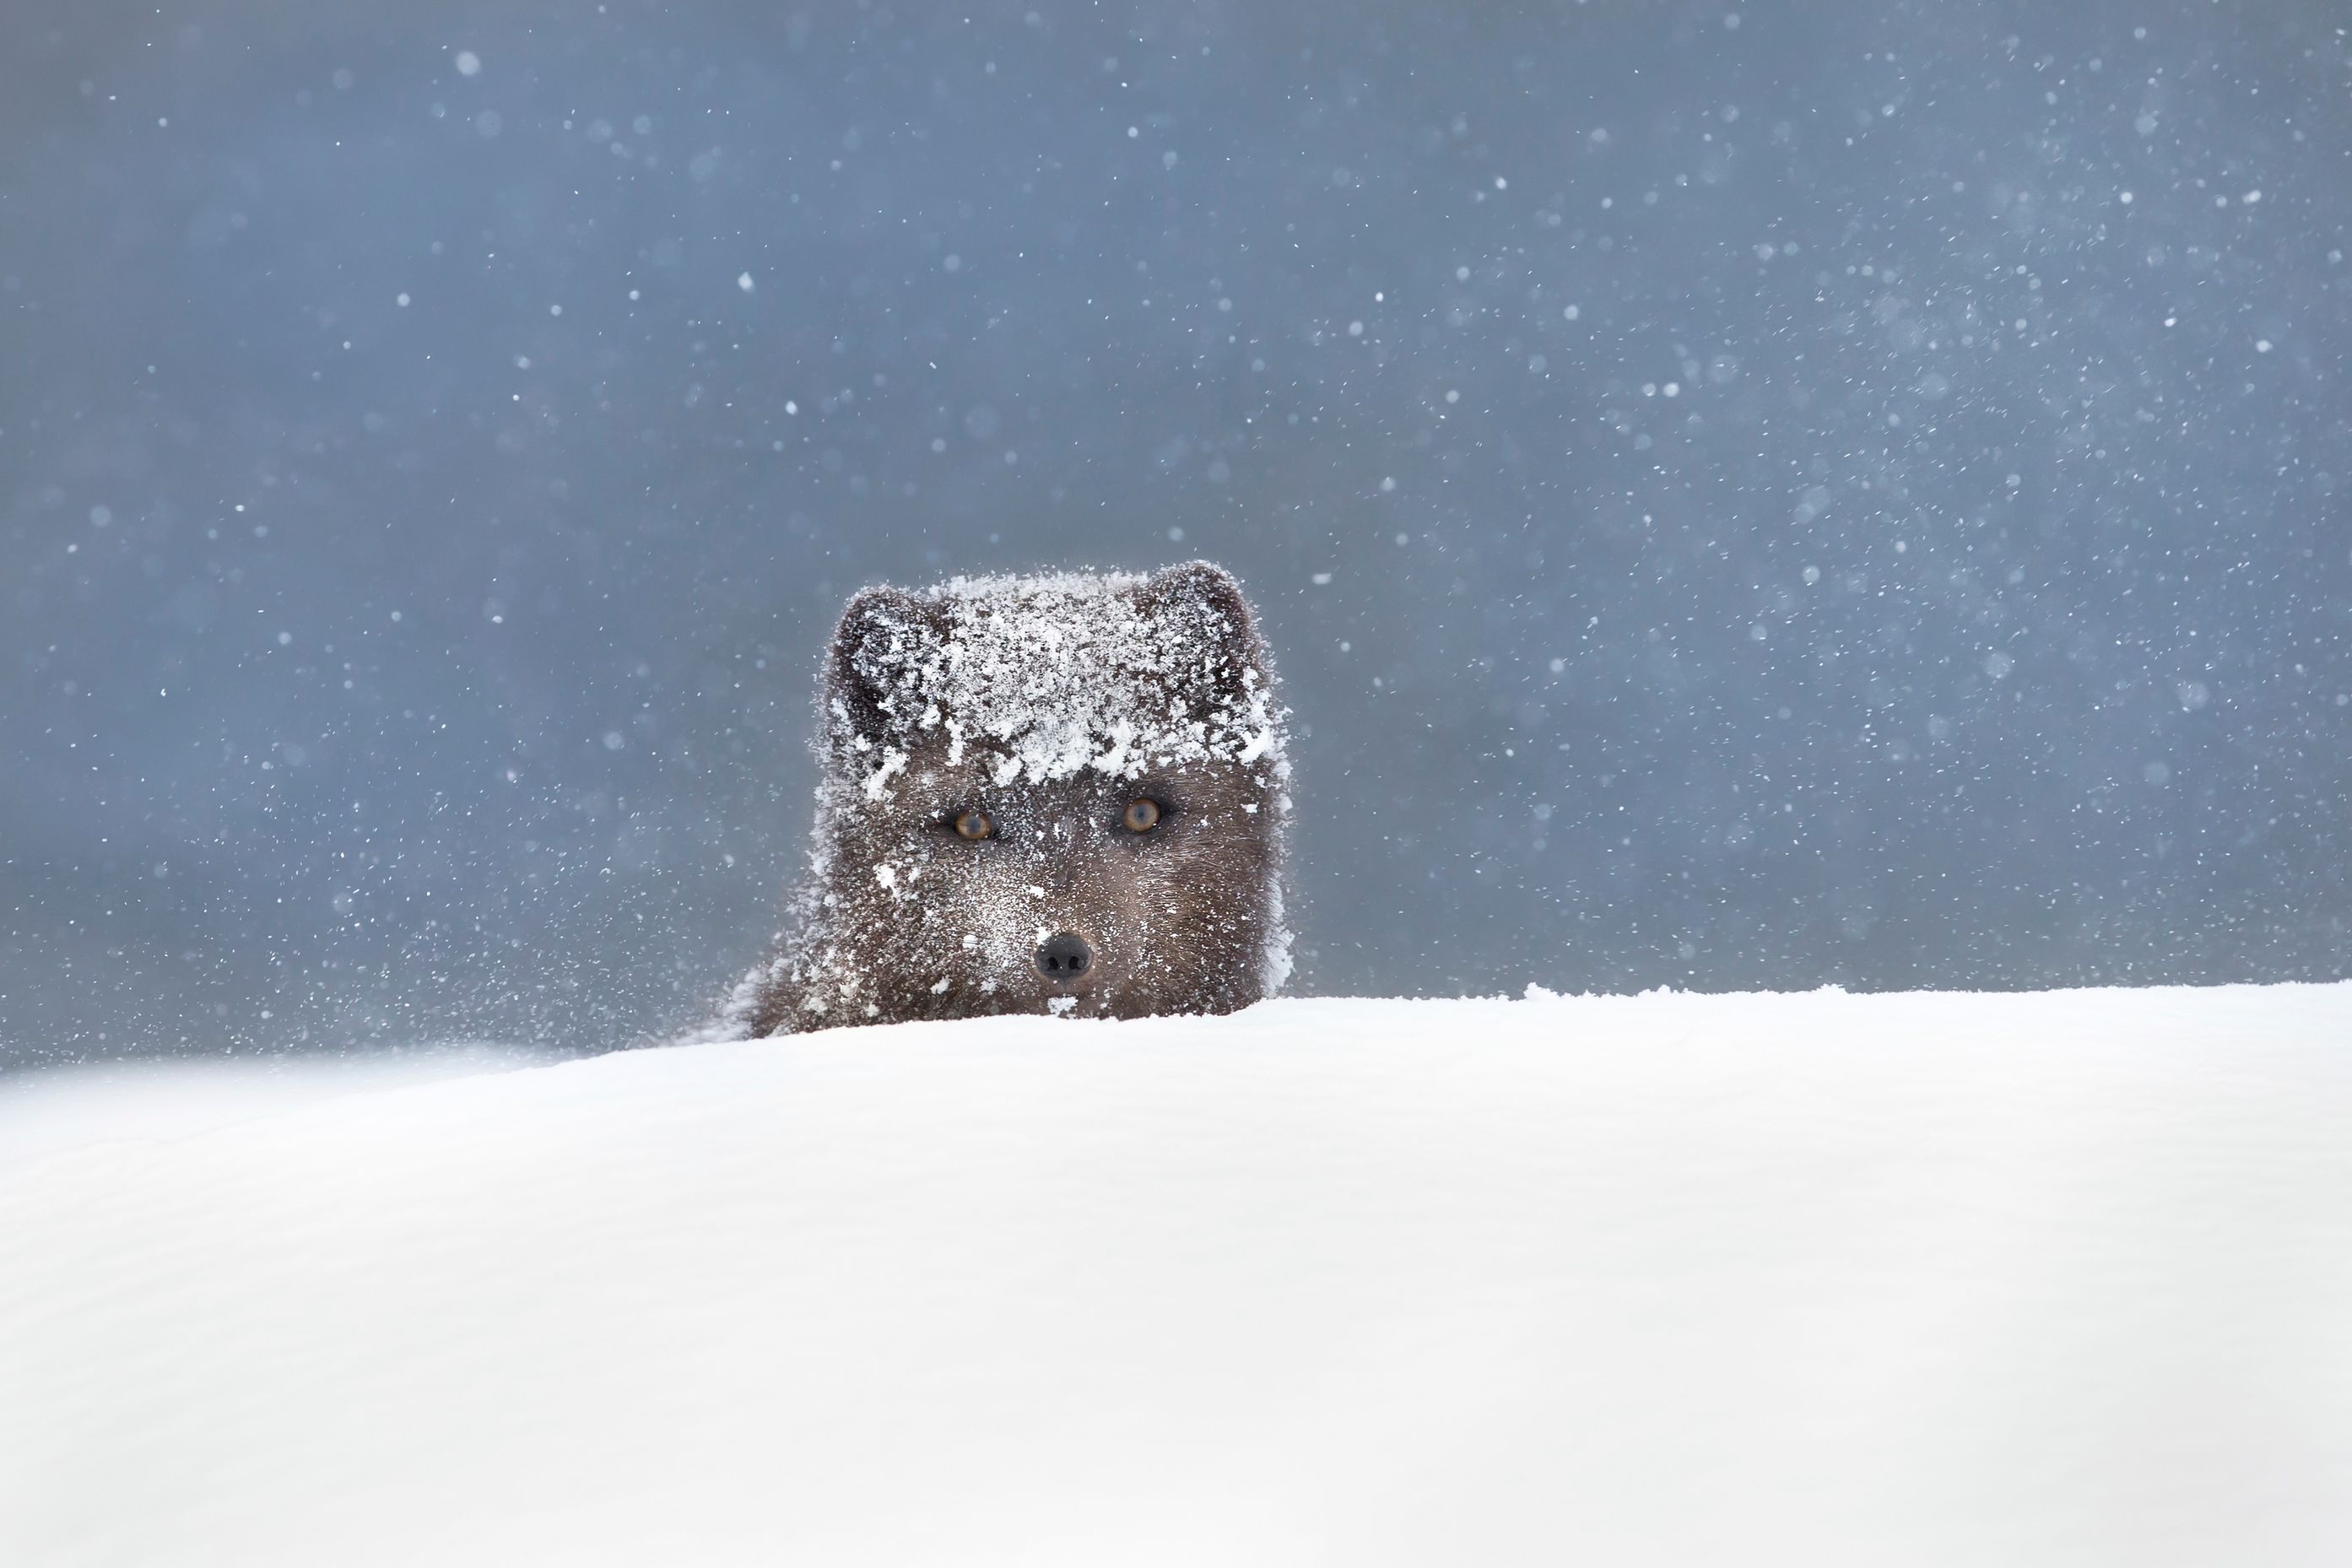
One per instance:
(1062,794)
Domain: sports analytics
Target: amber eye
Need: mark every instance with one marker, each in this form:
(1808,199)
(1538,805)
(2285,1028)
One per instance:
(1142,816)
(973,825)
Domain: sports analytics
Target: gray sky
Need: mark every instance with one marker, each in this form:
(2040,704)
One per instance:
(1856,496)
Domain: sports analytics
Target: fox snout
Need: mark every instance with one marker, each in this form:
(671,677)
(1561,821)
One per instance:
(1064,957)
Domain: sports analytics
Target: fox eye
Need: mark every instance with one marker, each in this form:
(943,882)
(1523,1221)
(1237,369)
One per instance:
(1141,815)
(974,826)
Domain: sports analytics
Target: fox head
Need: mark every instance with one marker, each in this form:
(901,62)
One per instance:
(1061,794)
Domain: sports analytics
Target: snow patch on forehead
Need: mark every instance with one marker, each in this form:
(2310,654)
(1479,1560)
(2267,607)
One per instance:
(1050,676)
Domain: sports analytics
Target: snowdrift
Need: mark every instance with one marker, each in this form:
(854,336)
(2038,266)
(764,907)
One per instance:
(1818,1280)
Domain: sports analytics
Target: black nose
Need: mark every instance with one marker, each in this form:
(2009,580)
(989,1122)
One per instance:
(1064,957)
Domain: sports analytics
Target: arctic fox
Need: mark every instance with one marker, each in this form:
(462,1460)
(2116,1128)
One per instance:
(1058,794)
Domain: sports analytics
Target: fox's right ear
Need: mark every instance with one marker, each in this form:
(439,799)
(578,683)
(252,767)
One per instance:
(874,665)
(1199,609)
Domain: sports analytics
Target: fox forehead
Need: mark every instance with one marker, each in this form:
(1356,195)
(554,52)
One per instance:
(1049,677)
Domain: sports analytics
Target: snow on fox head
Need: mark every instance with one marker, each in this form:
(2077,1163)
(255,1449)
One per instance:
(1057,793)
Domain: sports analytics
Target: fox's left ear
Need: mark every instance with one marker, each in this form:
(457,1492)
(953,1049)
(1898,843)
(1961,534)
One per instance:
(1201,607)
(870,667)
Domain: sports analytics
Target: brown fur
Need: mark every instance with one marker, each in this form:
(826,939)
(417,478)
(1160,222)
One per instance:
(905,919)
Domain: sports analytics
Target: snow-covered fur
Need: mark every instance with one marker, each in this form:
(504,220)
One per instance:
(989,748)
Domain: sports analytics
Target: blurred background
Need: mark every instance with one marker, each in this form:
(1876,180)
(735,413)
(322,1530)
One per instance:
(1742,495)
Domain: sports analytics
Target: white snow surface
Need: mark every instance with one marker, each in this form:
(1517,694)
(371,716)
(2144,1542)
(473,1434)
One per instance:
(1808,1279)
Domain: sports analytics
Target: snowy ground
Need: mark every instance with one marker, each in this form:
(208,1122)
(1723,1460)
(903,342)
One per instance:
(1815,1279)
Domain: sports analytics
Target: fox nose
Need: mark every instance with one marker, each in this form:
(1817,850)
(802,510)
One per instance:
(1065,956)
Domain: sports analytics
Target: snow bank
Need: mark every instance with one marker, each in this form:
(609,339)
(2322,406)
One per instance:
(1813,1279)
(52,1110)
